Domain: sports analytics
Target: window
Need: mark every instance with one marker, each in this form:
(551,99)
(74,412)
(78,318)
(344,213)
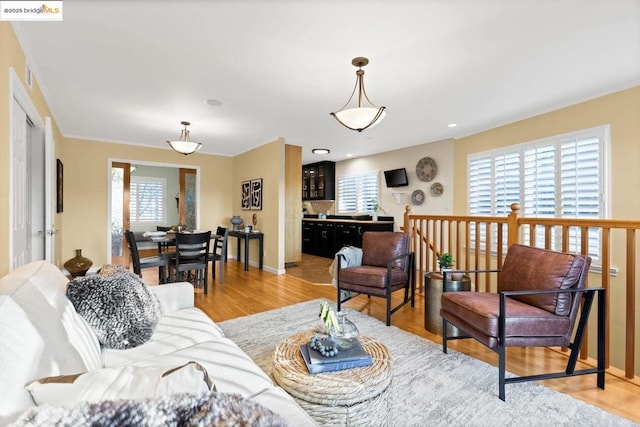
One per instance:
(358,193)
(559,177)
(148,197)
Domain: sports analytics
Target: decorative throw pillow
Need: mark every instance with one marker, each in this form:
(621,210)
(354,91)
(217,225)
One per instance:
(121,309)
(126,382)
(111,269)
(205,409)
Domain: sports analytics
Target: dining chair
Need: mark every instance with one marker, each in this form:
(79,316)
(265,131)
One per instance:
(191,261)
(159,262)
(219,252)
(163,247)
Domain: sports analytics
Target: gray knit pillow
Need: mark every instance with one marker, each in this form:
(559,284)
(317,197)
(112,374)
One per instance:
(121,309)
(208,409)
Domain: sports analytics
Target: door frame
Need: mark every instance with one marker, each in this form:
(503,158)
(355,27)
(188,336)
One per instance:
(111,161)
(18,92)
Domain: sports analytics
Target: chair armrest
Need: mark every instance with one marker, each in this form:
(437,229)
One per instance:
(550,291)
(174,296)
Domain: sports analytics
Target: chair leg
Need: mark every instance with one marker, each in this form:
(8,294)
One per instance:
(444,335)
(206,273)
(388,308)
(501,372)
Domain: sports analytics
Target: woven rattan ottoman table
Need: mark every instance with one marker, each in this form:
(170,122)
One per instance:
(359,396)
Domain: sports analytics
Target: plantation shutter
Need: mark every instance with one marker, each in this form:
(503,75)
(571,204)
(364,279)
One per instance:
(358,193)
(147,200)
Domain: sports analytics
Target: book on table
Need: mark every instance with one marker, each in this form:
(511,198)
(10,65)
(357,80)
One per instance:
(355,357)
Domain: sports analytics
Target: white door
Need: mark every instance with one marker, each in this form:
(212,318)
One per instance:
(49,190)
(20,189)
(36,179)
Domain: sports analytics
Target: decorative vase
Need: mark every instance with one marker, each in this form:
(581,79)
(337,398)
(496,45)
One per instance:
(346,333)
(78,265)
(237,222)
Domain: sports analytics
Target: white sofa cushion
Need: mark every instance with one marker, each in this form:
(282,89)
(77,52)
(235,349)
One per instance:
(176,330)
(40,332)
(126,382)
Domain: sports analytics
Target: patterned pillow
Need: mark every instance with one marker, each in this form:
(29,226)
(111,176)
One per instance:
(181,409)
(121,309)
(111,269)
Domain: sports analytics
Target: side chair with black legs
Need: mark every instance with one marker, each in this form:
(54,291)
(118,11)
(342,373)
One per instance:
(139,264)
(219,252)
(192,258)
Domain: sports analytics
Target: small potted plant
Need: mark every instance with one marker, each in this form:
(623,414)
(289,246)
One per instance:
(445,261)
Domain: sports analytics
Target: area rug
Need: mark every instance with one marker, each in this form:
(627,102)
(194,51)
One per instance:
(429,387)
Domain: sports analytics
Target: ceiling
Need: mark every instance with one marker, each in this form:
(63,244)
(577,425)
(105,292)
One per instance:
(130,71)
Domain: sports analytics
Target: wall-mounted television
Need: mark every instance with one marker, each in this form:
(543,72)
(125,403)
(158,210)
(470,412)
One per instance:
(396,177)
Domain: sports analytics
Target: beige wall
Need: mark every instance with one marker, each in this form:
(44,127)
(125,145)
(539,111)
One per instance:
(440,151)
(12,56)
(621,111)
(266,162)
(87,178)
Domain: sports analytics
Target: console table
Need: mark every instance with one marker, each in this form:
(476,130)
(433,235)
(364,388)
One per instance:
(241,235)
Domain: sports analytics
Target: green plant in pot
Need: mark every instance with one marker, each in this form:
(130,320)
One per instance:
(445,260)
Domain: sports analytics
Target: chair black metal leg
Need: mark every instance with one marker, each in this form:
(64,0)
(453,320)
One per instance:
(388,309)
(501,372)
(444,335)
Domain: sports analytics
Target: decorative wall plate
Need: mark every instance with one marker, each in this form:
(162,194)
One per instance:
(417,197)
(426,169)
(436,189)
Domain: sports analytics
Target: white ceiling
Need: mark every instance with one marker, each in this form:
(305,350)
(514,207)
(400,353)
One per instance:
(130,71)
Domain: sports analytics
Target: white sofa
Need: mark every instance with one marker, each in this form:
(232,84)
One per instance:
(42,335)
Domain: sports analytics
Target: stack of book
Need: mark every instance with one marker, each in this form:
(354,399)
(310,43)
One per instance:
(355,357)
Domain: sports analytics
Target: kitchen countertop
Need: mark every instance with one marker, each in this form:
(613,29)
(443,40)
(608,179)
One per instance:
(354,221)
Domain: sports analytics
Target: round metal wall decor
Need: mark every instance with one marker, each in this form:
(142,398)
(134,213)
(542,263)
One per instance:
(436,189)
(426,169)
(417,197)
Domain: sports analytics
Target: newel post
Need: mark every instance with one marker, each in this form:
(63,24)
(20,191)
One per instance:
(407,212)
(513,228)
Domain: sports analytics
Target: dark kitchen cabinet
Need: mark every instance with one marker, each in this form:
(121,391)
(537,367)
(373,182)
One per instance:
(319,181)
(325,237)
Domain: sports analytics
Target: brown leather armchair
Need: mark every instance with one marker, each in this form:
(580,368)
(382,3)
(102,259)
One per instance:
(537,305)
(387,266)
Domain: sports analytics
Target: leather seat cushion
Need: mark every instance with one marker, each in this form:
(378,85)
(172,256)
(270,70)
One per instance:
(481,310)
(371,277)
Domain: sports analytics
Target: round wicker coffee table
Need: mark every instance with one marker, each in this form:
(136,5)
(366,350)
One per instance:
(358,396)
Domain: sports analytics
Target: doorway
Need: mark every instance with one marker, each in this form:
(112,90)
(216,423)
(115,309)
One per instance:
(145,195)
(31,171)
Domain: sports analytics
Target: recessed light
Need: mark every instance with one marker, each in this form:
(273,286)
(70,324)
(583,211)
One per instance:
(213,102)
(349,155)
(320,151)
(452,125)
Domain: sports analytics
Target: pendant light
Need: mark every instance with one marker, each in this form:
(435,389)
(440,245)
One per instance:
(184,145)
(361,117)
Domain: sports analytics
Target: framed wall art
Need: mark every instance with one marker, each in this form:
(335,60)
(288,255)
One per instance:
(256,194)
(245,203)
(59,187)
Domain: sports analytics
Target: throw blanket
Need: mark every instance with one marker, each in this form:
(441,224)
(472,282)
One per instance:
(351,257)
(207,409)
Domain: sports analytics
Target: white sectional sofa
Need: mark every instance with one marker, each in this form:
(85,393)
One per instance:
(42,335)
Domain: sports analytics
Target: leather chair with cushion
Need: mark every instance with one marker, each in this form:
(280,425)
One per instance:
(387,267)
(147,262)
(537,305)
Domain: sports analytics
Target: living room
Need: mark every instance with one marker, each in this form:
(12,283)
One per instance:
(83,222)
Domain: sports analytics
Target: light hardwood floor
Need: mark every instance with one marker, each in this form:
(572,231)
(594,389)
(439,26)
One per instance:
(245,293)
